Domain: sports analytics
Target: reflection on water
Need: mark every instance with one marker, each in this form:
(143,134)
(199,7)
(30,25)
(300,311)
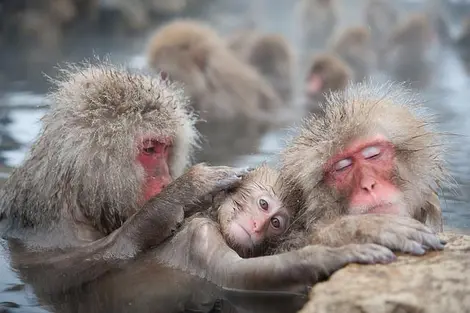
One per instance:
(22,105)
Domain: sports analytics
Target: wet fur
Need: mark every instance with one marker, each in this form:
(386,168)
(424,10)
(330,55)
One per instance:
(219,84)
(358,112)
(82,166)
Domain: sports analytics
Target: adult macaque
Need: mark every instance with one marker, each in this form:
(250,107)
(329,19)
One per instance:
(407,58)
(244,223)
(354,46)
(327,73)
(381,17)
(272,57)
(317,21)
(98,187)
(370,166)
(219,85)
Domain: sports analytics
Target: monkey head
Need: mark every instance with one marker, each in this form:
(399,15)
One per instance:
(327,73)
(374,151)
(271,53)
(112,139)
(253,213)
(182,48)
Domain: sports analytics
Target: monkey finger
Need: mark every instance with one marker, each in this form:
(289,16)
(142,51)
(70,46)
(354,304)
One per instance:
(226,183)
(412,247)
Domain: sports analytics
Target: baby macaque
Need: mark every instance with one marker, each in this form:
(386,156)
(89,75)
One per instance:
(271,55)
(317,21)
(354,46)
(327,73)
(253,214)
(229,245)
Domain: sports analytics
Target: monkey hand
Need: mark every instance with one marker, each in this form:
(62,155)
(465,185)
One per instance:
(210,180)
(402,234)
(321,261)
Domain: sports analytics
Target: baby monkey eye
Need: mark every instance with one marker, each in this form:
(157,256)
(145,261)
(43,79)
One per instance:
(263,204)
(275,222)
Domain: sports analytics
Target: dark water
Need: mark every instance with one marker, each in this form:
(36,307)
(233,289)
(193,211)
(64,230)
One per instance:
(22,88)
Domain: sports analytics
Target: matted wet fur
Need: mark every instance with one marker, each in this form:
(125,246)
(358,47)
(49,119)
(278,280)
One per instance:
(98,111)
(363,110)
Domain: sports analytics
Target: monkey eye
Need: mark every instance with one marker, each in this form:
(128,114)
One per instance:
(371,152)
(275,222)
(344,163)
(263,204)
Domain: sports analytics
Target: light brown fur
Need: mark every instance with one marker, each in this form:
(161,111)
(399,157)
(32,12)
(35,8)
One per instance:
(219,85)
(358,112)
(271,55)
(317,21)
(336,76)
(354,46)
(99,110)
(406,52)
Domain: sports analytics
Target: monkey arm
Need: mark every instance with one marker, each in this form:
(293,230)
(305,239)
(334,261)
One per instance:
(201,249)
(397,233)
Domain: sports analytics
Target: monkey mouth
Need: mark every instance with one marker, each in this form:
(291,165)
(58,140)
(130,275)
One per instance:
(241,235)
(383,208)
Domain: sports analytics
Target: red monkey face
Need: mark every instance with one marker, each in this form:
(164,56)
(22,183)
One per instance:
(154,158)
(363,173)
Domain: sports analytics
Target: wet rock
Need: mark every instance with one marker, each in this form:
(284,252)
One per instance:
(435,283)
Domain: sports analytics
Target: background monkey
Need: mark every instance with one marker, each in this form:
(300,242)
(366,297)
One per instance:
(271,55)
(327,73)
(219,85)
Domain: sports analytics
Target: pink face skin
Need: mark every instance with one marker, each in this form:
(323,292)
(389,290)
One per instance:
(314,85)
(363,171)
(154,158)
(262,217)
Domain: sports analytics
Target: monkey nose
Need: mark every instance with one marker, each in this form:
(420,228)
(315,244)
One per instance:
(368,184)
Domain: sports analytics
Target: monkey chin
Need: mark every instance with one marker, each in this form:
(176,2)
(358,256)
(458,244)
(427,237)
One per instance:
(240,236)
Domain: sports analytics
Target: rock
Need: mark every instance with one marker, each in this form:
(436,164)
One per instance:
(437,282)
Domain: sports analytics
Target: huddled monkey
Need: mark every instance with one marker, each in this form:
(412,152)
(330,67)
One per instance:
(271,55)
(381,17)
(326,73)
(219,85)
(409,43)
(103,192)
(106,179)
(354,46)
(371,165)
(230,241)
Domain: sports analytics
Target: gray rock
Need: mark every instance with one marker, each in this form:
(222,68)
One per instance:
(437,282)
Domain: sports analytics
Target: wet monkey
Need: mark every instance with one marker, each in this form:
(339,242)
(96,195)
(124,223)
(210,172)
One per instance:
(317,21)
(354,46)
(381,17)
(271,55)
(327,73)
(219,85)
(105,180)
(371,166)
(407,50)
(229,242)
